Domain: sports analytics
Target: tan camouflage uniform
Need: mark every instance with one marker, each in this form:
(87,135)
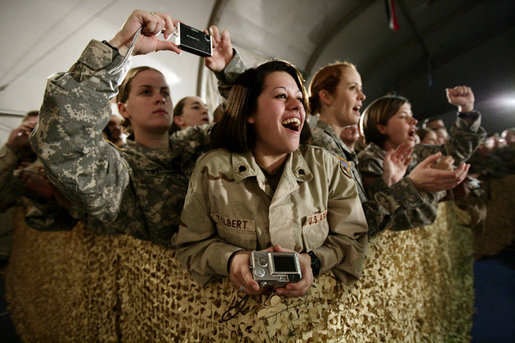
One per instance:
(137,190)
(230,206)
(400,207)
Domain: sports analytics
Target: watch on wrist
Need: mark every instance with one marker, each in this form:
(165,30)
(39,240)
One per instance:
(315,263)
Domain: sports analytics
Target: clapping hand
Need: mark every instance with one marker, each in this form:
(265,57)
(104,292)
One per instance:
(395,164)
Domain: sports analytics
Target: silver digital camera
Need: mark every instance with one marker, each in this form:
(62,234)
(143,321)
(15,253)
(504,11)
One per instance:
(275,269)
(192,40)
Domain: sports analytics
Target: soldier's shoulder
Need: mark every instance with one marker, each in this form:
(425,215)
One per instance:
(321,154)
(315,152)
(319,135)
(215,158)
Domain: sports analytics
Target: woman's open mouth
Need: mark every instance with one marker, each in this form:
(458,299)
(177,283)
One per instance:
(411,134)
(292,124)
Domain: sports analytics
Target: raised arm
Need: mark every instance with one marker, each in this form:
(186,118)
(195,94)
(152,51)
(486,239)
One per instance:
(151,24)
(462,97)
(222,50)
(226,63)
(68,139)
(465,135)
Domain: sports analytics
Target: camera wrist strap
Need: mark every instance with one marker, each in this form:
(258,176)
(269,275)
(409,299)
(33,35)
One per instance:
(128,54)
(240,304)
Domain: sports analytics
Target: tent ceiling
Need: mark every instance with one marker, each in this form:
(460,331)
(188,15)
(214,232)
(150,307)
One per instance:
(439,44)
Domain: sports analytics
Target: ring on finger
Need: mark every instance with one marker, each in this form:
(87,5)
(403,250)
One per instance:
(242,288)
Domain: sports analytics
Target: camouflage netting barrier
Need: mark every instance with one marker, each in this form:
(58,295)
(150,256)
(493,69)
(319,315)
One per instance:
(499,231)
(78,286)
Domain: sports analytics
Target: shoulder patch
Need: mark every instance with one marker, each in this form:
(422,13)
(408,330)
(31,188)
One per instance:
(345,166)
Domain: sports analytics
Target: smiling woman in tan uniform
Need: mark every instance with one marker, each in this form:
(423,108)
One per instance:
(264,189)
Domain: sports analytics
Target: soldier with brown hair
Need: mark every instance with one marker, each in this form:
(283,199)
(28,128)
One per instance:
(264,188)
(140,189)
(388,123)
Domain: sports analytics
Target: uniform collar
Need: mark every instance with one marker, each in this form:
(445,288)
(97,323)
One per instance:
(245,165)
(145,155)
(351,155)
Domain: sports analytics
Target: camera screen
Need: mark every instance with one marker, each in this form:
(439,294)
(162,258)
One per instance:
(284,264)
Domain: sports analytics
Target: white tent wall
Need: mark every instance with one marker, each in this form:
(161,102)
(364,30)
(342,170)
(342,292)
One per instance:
(40,38)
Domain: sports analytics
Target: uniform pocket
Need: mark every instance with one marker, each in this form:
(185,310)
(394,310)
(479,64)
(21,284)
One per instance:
(315,230)
(239,232)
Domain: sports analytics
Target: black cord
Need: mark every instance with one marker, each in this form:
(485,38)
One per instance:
(240,304)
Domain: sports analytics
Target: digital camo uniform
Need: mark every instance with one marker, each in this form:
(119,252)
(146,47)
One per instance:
(227,77)
(399,207)
(137,190)
(464,138)
(371,165)
(230,206)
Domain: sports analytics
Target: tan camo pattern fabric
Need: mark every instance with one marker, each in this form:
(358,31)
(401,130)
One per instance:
(79,286)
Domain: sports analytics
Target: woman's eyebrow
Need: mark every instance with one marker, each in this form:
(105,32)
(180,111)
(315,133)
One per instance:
(285,88)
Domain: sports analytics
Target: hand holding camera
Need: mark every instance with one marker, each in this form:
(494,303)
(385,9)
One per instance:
(240,274)
(151,25)
(300,288)
(287,262)
(275,269)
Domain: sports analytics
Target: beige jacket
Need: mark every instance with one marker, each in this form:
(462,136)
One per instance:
(230,207)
